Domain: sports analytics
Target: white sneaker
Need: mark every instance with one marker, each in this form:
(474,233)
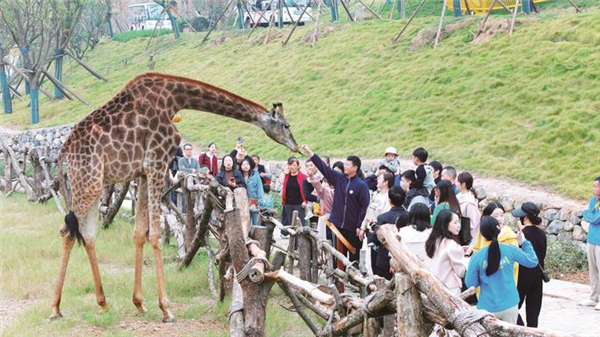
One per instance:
(589,303)
(597,307)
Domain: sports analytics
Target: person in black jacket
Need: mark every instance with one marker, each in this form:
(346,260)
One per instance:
(229,175)
(530,284)
(380,260)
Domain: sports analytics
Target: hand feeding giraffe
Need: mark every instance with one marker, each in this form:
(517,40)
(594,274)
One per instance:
(132,137)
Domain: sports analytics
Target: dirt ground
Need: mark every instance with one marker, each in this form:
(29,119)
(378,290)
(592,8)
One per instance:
(580,276)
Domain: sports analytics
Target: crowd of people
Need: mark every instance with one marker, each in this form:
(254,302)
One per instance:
(435,210)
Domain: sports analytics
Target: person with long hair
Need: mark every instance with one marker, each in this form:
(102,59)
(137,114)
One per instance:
(507,236)
(254,189)
(418,230)
(444,255)
(228,175)
(469,205)
(491,269)
(445,199)
(531,280)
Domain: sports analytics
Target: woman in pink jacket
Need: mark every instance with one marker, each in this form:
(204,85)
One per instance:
(325,193)
(445,256)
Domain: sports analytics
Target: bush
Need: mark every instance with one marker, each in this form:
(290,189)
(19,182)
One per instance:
(564,256)
(134,34)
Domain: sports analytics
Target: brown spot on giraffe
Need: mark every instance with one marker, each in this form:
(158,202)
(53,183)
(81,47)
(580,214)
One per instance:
(132,137)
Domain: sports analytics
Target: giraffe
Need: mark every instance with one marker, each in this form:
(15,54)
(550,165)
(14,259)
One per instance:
(133,137)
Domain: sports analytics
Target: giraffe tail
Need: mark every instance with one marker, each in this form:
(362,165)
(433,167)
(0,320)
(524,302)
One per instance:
(71,223)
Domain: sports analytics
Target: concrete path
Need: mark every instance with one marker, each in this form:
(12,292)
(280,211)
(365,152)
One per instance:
(561,312)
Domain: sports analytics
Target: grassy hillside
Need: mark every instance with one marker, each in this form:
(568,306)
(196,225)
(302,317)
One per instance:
(525,107)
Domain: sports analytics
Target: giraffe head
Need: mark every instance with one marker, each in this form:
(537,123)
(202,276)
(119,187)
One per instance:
(278,129)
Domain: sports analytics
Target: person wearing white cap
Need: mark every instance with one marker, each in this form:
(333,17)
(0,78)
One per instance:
(391,160)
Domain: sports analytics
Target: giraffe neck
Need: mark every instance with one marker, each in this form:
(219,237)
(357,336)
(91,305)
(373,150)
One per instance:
(204,97)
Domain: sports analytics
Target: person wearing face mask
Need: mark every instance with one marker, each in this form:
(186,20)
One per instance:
(491,269)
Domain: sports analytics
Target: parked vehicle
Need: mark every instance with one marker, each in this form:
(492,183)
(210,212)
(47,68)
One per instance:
(291,12)
(148,16)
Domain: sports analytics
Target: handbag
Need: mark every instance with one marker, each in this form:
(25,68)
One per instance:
(464,236)
(545,275)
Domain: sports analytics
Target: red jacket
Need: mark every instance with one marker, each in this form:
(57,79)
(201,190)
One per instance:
(204,160)
(301,177)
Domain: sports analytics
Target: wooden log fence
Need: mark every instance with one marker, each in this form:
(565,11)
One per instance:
(250,262)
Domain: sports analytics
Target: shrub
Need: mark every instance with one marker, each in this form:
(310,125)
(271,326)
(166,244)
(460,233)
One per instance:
(564,256)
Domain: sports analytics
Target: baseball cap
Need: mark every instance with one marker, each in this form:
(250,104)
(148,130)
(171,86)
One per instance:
(528,208)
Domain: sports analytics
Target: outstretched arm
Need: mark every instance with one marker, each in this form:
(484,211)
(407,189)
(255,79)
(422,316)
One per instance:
(330,174)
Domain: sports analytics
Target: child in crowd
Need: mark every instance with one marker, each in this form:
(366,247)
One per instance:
(391,160)
(423,171)
(267,198)
(490,269)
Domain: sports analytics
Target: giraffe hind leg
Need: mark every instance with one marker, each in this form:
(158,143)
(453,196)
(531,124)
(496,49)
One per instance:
(89,238)
(67,242)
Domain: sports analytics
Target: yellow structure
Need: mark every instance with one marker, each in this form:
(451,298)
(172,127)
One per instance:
(482,6)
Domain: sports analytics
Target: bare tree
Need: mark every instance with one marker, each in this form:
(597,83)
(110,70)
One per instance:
(69,12)
(92,25)
(5,45)
(32,25)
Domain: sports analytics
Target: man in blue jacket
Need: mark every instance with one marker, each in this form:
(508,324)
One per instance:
(350,198)
(592,215)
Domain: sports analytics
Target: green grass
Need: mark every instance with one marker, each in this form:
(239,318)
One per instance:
(30,253)
(134,34)
(524,107)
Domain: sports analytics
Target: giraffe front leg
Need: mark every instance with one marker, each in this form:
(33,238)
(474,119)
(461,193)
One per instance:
(139,239)
(67,246)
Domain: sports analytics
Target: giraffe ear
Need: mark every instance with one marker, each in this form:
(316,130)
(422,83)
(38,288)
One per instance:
(273,114)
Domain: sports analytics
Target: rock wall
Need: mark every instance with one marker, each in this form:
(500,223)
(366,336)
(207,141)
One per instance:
(49,138)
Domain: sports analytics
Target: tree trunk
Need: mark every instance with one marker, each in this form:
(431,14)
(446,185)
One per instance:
(409,308)
(115,206)
(6,98)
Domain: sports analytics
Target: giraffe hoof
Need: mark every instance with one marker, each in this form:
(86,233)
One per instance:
(169,320)
(141,309)
(55,316)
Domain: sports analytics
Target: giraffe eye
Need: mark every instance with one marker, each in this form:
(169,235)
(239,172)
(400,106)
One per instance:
(286,126)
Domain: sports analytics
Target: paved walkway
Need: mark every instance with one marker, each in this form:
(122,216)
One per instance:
(561,312)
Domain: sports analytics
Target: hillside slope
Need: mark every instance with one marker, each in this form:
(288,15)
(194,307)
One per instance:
(527,107)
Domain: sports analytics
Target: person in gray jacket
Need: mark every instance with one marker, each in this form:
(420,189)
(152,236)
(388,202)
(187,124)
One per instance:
(187,163)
